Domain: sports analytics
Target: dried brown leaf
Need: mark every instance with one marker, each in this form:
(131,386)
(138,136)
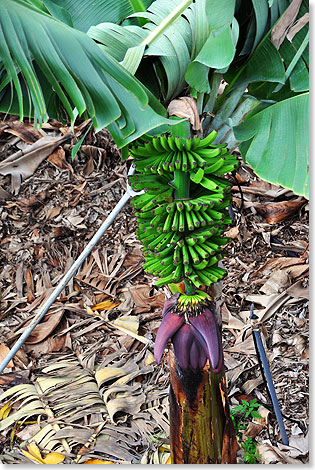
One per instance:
(298,25)
(277,282)
(15,378)
(275,212)
(43,329)
(271,454)
(123,399)
(141,297)
(298,291)
(275,264)
(25,131)
(28,432)
(49,345)
(253,429)
(233,232)
(4,351)
(29,286)
(24,163)
(230,320)
(243,347)
(58,159)
(280,30)
(251,384)
(185,107)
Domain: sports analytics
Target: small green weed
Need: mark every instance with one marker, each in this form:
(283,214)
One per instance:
(239,415)
(251,455)
(248,408)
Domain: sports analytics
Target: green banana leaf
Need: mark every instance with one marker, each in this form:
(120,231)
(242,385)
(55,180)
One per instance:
(85,14)
(189,38)
(278,143)
(44,59)
(262,14)
(173,47)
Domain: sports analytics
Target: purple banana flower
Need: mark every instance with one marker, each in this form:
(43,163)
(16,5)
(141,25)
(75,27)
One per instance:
(195,338)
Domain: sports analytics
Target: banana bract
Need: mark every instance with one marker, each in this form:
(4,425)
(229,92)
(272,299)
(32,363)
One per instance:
(191,325)
(183,212)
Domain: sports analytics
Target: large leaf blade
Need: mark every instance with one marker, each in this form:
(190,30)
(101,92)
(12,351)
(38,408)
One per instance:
(278,149)
(72,66)
(86,14)
(264,65)
(219,13)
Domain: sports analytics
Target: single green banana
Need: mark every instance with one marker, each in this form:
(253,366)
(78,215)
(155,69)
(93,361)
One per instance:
(168,223)
(184,165)
(187,270)
(171,143)
(195,141)
(214,167)
(201,252)
(192,163)
(181,221)
(195,219)
(163,140)
(179,143)
(202,265)
(188,205)
(162,254)
(206,141)
(197,176)
(189,220)
(177,273)
(188,143)
(209,184)
(180,206)
(193,254)
(178,161)
(177,255)
(175,221)
(157,144)
(207,152)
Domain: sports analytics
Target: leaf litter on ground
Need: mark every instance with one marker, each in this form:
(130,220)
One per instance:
(89,364)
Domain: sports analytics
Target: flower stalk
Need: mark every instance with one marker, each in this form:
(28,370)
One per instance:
(181,217)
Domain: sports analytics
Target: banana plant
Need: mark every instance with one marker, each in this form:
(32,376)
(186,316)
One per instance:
(244,65)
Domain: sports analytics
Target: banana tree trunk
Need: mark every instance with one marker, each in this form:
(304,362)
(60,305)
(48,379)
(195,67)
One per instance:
(201,428)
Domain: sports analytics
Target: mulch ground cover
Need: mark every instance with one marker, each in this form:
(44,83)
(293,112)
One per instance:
(86,384)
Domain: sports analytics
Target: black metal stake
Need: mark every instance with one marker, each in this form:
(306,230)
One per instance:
(265,371)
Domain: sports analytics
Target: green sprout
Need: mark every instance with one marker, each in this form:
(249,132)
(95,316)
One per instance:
(239,415)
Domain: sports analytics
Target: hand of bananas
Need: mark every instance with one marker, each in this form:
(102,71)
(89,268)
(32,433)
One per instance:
(181,227)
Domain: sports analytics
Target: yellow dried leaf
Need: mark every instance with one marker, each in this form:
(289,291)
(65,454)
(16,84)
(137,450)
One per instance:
(149,359)
(53,458)
(98,461)
(108,373)
(5,410)
(33,453)
(130,322)
(169,460)
(106,305)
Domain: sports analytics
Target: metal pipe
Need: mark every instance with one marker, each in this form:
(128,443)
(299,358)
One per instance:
(264,366)
(64,281)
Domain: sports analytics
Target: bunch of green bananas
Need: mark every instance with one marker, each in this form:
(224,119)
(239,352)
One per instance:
(181,236)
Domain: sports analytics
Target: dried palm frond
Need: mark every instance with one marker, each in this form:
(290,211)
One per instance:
(110,410)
